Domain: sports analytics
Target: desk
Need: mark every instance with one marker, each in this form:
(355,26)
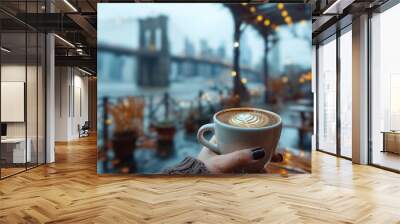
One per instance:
(13,150)
(391,141)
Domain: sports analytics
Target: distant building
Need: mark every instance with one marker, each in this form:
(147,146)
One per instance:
(245,51)
(274,61)
(189,48)
(205,50)
(221,53)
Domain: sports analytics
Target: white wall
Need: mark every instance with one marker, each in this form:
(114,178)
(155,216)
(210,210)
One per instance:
(71,94)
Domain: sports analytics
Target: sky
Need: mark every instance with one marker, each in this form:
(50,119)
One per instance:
(118,24)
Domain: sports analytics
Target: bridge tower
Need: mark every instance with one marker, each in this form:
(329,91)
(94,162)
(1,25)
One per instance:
(154,61)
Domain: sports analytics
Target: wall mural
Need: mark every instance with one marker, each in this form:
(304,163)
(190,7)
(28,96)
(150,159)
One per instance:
(204,88)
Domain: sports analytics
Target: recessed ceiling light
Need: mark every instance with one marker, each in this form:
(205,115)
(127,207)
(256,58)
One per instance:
(70,5)
(84,71)
(65,41)
(5,50)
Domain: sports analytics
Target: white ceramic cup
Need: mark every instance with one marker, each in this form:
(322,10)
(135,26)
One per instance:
(232,138)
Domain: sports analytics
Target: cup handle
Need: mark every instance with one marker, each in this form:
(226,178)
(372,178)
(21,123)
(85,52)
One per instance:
(204,141)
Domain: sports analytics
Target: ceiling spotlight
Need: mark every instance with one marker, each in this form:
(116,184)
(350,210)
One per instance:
(5,50)
(84,71)
(70,5)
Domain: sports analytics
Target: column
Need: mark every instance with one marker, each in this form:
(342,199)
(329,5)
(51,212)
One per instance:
(360,90)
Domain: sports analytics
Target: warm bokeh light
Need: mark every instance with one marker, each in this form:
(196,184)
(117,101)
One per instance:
(280,5)
(259,18)
(253,9)
(233,73)
(288,20)
(267,22)
(284,13)
(285,79)
(244,80)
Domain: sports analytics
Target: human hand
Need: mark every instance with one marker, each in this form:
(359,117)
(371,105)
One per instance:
(241,161)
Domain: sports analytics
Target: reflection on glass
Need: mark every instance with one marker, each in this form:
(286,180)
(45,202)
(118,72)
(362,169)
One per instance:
(327,97)
(385,89)
(346,94)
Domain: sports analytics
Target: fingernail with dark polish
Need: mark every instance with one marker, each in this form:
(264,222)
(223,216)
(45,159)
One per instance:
(258,153)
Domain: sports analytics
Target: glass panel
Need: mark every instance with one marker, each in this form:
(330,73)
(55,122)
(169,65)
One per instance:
(31,97)
(346,94)
(41,99)
(327,97)
(32,88)
(13,80)
(385,83)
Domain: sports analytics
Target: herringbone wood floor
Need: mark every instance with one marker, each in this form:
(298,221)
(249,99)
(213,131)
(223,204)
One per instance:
(70,191)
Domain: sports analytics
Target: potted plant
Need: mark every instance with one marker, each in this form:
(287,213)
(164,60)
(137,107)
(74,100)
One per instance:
(127,117)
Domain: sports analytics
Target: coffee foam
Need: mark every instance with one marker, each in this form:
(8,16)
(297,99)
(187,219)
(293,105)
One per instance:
(246,118)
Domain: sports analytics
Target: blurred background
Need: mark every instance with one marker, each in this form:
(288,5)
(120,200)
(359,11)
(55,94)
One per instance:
(165,69)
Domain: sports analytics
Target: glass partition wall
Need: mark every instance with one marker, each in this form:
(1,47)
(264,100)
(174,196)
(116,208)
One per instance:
(334,95)
(22,107)
(385,90)
(345,61)
(327,96)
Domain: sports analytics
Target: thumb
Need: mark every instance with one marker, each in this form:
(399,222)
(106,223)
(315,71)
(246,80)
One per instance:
(241,158)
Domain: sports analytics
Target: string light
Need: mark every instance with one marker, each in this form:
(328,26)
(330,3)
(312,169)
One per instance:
(267,22)
(288,20)
(280,6)
(260,18)
(284,13)
(253,9)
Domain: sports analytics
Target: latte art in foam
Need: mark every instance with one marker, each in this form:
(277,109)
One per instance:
(249,119)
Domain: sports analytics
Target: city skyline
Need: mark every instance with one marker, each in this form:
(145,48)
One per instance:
(119,21)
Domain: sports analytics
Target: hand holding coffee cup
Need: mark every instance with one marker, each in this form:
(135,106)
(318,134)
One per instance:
(243,128)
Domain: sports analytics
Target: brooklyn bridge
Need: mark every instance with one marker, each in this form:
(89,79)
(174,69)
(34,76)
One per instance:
(154,59)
